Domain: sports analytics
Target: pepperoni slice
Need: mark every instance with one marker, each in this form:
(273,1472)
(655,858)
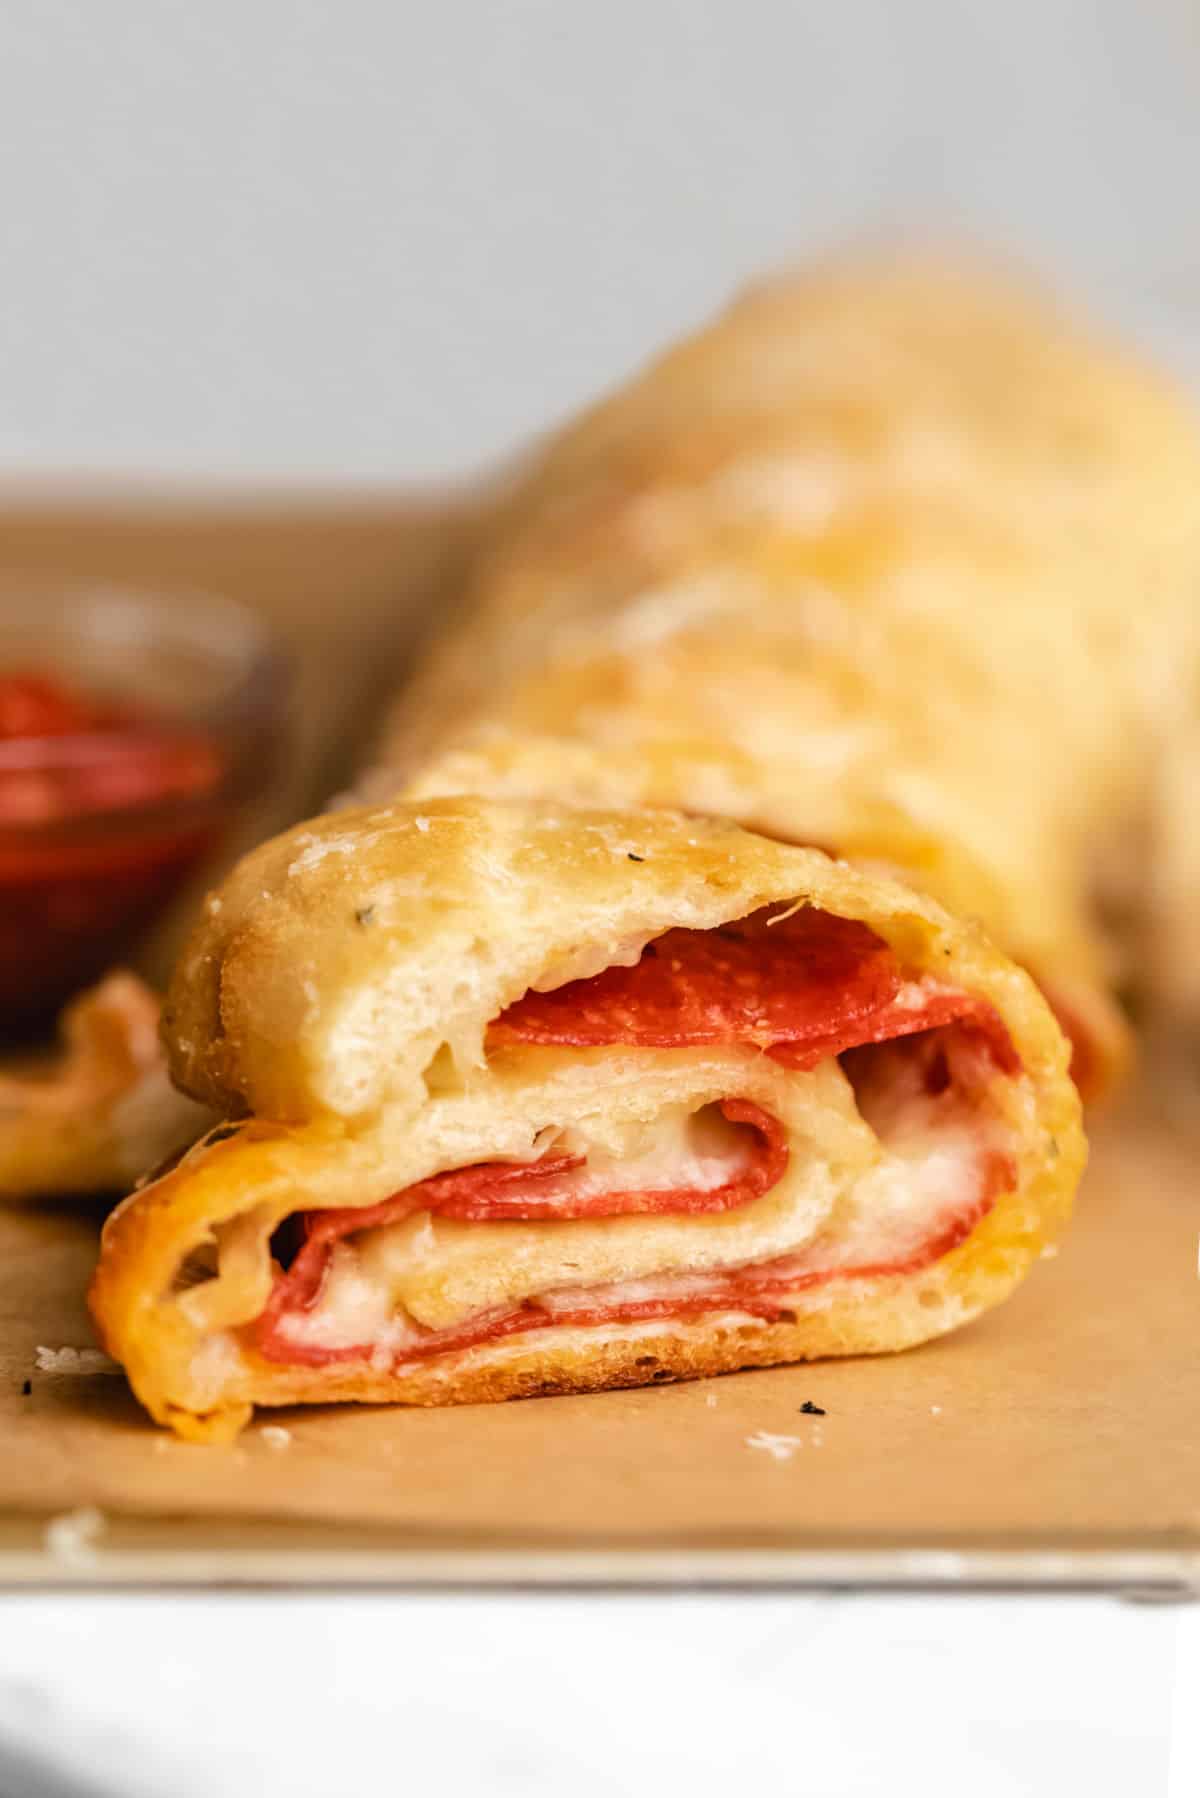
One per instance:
(802,987)
(810,977)
(764,1290)
(528,1192)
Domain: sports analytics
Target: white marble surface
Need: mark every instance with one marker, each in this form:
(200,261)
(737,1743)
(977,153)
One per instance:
(572,1696)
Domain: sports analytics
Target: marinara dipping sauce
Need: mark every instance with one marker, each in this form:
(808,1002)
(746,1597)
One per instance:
(105,807)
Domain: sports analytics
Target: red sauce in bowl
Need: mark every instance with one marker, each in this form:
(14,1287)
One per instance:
(104,809)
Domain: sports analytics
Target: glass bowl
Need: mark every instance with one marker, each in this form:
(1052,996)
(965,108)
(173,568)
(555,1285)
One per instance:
(134,728)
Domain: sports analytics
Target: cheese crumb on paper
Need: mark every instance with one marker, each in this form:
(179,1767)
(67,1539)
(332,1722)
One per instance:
(71,1538)
(276,1437)
(74,1360)
(780,1448)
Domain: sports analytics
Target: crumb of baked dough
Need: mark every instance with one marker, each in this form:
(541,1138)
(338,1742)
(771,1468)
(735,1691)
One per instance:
(72,1537)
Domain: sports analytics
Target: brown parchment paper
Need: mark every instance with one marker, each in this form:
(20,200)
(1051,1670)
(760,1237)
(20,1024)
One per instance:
(1056,1441)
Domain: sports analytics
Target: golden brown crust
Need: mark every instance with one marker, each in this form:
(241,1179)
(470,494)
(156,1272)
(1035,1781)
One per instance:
(890,559)
(547,883)
(450,909)
(100,1112)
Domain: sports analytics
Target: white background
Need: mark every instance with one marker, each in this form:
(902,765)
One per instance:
(378,238)
(260,240)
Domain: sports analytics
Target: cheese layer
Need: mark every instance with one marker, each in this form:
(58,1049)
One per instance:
(863,1198)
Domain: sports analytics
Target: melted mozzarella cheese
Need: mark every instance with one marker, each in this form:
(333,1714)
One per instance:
(915,1192)
(646,1112)
(441,1271)
(383,1285)
(680,1149)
